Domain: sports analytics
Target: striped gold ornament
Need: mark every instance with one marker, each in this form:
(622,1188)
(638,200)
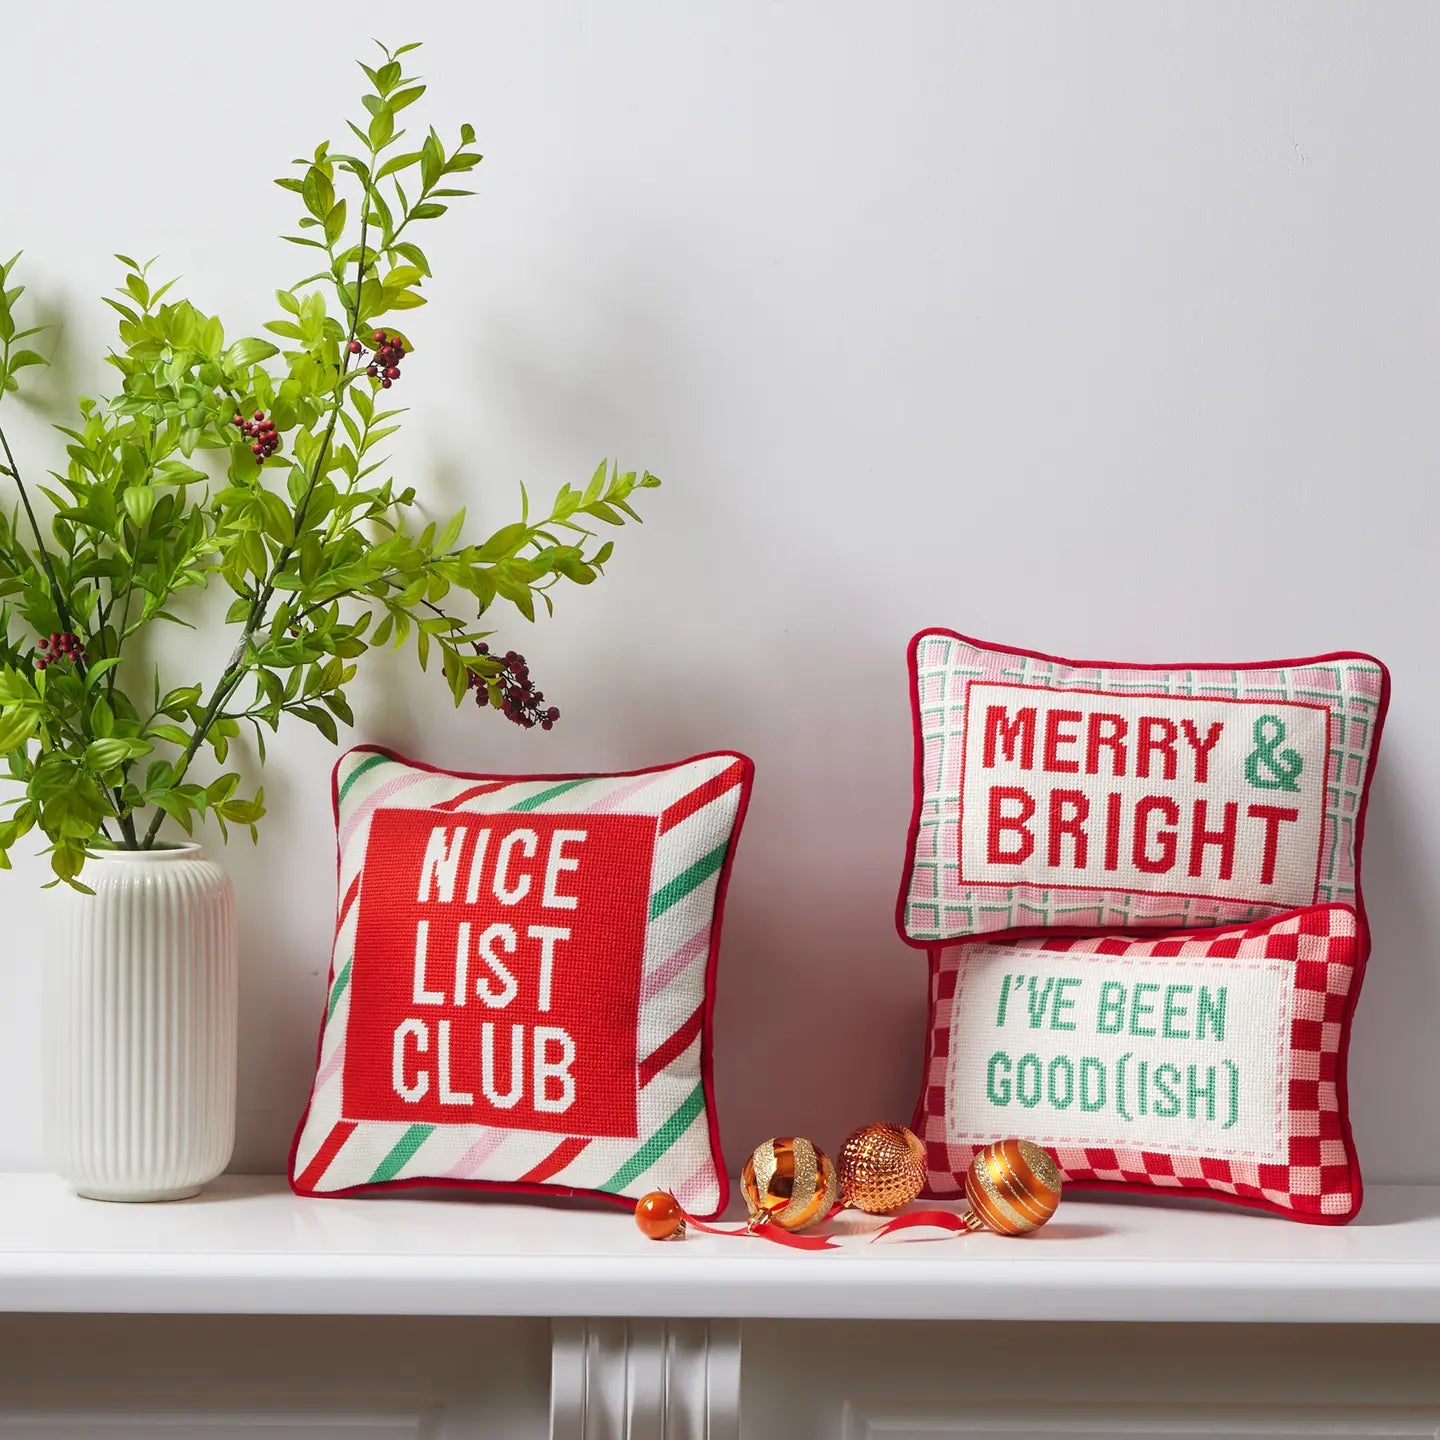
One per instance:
(1013,1187)
(789,1182)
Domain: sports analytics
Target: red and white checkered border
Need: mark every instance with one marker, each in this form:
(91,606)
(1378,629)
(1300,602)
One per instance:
(1329,946)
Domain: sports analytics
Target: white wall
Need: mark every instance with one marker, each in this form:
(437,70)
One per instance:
(1104,329)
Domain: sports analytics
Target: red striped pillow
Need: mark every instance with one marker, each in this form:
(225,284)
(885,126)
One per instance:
(522,981)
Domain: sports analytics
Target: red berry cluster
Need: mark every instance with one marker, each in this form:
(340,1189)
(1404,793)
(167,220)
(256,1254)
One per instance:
(62,645)
(519,699)
(384,365)
(262,432)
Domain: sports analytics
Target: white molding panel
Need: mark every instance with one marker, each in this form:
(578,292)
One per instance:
(645,1380)
(204,1425)
(1284,1423)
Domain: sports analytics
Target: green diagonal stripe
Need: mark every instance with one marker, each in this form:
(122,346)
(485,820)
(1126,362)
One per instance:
(358,771)
(659,1142)
(535,801)
(405,1147)
(687,880)
(338,988)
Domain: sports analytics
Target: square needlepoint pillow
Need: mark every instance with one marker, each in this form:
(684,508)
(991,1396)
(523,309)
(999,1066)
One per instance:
(1084,795)
(522,981)
(1207,1063)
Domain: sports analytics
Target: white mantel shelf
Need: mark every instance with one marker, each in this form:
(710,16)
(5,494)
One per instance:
(247,1246)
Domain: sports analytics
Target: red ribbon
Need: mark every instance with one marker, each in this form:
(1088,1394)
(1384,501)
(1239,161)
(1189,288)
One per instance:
(936,1219)
(766,1230)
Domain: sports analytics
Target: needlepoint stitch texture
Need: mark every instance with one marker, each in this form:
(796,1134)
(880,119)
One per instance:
(1194,1063)
(1092,796)
(522,981)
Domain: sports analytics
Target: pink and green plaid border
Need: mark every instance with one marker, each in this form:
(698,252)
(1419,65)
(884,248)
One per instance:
(935,905)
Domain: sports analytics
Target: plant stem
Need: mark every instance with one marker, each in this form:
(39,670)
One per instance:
(56,594)
(235,667)
(62,610)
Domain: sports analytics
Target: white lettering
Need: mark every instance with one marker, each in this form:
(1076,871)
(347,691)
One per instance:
(509,986)
(421,1034)
(528,841)
(547,1069)
(558,860)
(419,993)
(547,935)
(437,870)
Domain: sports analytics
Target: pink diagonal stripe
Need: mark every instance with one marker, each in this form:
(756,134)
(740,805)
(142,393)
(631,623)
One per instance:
(330,1066)
(700,1186)
(382,792)
(475,1156)
(615,797)
(655,980)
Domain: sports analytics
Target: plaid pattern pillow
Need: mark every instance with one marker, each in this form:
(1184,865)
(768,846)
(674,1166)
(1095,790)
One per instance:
(522,981)
(1194,1064)
(1083,795)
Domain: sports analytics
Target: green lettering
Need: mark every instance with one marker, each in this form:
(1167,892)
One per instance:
(998,1093)
(1092,1083)
(1037,1003)
(1062,1004)
(1195,1093)
(1210,1005)
(1174,1012)
(1028,1080)
(1167,1082)
(1060,1099)
(1111,1008)
(1004,1001)
(1139,1008)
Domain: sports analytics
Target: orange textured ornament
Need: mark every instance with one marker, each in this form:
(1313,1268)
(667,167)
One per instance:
(1013,1187)
(788,1182)
(659,1216)
(881,1168)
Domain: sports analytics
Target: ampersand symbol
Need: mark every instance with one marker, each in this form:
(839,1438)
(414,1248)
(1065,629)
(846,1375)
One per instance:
(1267,767)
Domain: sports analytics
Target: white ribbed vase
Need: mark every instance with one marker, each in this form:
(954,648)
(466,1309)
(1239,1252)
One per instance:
(140,1001)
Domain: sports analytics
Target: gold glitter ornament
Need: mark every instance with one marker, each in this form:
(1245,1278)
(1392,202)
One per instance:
(789,1182)
(1013,1187)
(881,1168)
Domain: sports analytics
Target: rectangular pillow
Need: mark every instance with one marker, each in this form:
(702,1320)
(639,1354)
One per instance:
(1208,1063)
(522,981)
(1086,795)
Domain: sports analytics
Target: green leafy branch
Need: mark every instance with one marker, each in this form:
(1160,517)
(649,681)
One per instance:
(162,492)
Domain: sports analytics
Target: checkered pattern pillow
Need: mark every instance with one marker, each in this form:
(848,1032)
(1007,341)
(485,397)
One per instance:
(1200,1064)
(1083,795)
(522,981)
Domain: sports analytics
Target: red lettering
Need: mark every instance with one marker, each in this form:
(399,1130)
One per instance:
(1054,739)
(1202,748)
(1000,822)
(1114,741)
(1112,831)
(1072,824)
(1147,743)
(1000,731)
(1273,816)
(1147,806)
(1224,837)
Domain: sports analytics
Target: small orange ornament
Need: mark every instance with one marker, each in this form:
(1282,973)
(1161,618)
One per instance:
(1013,1187)
(659,1216)
(789,1182)
(881,1169)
